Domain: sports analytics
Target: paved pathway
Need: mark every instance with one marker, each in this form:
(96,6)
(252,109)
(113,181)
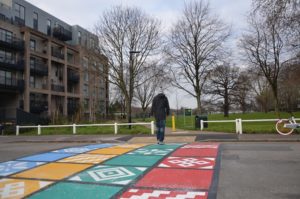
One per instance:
(115,171)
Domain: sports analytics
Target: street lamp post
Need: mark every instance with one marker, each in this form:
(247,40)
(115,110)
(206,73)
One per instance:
(131,82)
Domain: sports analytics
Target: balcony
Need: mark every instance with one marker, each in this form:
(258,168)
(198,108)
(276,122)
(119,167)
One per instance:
(73,76)
(19,22)
(62,34)
(55,52)
(12,64)
(57,88)
(38,106)
(39,68)
(10,42)
(72,108)
(12,84)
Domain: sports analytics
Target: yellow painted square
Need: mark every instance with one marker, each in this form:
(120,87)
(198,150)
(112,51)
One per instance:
(87,158)
(53,171)
(19,188)
(111,151)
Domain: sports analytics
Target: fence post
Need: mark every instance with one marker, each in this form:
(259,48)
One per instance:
(152,127)
(116,128)
(17,130)
(237,126)
(201,125)
(241,127)
(39,129)
(74,128)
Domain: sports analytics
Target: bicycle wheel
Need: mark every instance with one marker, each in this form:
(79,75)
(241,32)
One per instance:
(283,130)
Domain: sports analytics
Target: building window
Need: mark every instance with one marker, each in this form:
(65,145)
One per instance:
(35,20)
(32,63)
(85,90)
(32,82)
(86,76)
(79,38)
(32,45)
(20,11)
(6,78)
(49,27)
(5,35)
(85,62)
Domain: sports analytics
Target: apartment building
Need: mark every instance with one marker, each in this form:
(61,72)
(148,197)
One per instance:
(47,66)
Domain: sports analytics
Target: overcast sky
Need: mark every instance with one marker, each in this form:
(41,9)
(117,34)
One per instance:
(86,13)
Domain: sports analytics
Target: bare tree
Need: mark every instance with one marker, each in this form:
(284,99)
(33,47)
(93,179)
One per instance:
(194,45)
(223,83)
(263,45)
(286,11)
(242,92)
(127,37)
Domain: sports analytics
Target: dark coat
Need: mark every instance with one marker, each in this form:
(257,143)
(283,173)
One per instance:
(160,107)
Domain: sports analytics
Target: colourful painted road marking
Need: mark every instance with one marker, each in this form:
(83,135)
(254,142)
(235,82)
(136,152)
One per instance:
(53,171)
(73,150)
(162,194)
(19,188)
(98,146)
(11,167)
(111,151)
(134,160)
(77,191)
(143,151)
(188,152)
(109,174)
(177,178)
(87,158)
(46,157)
(164,146)
(116,171)
(188,162)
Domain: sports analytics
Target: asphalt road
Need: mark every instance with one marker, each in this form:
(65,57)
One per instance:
(260,170)
(248,170)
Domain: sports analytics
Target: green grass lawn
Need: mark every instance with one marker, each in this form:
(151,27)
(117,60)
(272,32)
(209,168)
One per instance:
(248,127)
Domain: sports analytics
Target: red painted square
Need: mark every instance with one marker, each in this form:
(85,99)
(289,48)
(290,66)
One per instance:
(188,162)
(195,152)
(134,193)
(177,178)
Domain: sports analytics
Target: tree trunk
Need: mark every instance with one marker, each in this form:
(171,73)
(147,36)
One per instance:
(226,104)
(199,110)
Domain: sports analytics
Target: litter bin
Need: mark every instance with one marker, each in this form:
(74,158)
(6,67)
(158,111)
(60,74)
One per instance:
(198,119)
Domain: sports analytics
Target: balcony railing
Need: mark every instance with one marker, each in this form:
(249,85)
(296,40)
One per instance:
(57,88)
(39,68)
(57,53)
(62,34)
(73,76)
(12,64)
(38,106)
(12,84)
(18,21)
(11,42)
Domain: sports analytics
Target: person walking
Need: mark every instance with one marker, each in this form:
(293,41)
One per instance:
(160,110)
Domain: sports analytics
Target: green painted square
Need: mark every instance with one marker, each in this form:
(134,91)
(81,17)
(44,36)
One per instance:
(66,190)
(135,160)
(164,146)
(109,174)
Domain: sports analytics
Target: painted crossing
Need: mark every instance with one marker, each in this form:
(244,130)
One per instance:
(123,171)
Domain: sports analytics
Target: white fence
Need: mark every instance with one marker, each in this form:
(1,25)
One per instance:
(238,123)
(74,126)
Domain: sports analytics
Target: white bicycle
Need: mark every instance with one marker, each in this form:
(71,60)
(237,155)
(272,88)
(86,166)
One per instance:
(286,126)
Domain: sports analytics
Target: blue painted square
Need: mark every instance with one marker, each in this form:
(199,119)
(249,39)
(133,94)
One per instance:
(99,146)
(46,157)
(11,167)
(73,150)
